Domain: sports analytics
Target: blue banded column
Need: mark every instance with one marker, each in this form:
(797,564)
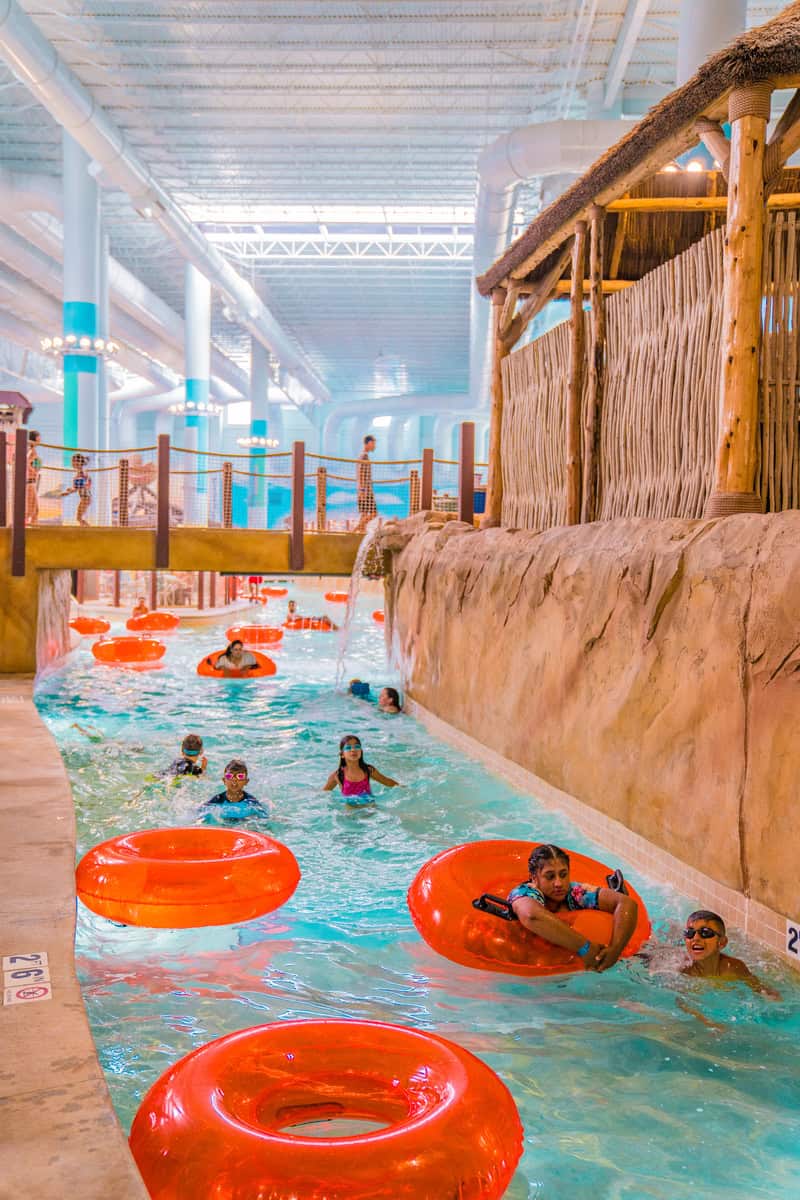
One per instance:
(81,239)
(259,424)
(197,353)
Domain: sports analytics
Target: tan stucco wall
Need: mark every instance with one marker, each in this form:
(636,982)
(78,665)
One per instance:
(650,669)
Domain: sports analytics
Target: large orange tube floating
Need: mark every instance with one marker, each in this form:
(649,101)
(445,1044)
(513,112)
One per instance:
(228,1118)
(440,902)
(274,592)
(320,623)
(186,878)
(265,667)
(153,622)
(254,635)
(336,597)
(128,651)
(90,625)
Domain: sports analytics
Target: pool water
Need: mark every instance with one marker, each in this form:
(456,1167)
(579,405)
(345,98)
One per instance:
(623,1090)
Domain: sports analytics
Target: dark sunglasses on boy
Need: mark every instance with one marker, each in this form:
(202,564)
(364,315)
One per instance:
(705,932)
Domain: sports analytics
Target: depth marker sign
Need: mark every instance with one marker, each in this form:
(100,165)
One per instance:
(26,977)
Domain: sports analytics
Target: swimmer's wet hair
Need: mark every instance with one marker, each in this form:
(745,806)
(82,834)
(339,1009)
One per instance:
(394,696)
(705,914)
(544,854)
(192,741)
(236,764)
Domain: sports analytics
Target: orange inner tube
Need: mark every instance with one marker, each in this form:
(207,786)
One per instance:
(440,902)
(186,878)
(274,592)
(235,1108)
(90,625)
(254,635)
(336,597)
(153,622)
(265,667)
(322,623)
(379,616)
(126,651)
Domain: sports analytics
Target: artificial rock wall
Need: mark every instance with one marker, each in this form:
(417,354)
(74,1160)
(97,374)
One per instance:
(649,668)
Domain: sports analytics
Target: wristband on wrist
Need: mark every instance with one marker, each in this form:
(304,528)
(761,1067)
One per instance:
(584,950)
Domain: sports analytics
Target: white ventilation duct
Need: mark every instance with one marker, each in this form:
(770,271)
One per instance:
(536,151)
(392,406)
(705,28)
(38,65)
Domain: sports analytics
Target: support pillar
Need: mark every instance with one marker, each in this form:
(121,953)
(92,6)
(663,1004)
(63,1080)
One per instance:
(500,351)
(577,368)
(198,371)
(737,447)
(597,362)
(81,234)
(259,424)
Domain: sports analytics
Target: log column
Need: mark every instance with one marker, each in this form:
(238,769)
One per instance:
(737,448)
(597,366)
(500,351)
(577,368)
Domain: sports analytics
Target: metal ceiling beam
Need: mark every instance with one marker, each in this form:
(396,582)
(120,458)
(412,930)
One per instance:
(628,35)
(37,64)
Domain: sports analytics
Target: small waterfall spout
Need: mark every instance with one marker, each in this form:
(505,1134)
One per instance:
(367,542)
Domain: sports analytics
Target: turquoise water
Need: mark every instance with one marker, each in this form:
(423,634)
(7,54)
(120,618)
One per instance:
(621,1090)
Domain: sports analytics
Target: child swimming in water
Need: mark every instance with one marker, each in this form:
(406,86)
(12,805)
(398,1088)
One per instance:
(192,760)
(704,940)
(549,891)
(354,775)
(235,802)
(389,700)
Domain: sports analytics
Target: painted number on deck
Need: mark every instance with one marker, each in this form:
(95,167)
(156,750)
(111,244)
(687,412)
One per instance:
(793,938)
(37,958)
(26,977)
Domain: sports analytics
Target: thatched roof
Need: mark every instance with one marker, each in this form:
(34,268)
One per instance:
(770,52)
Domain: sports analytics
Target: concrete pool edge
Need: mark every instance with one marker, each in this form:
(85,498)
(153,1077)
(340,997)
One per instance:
(61,1134)
(740,912)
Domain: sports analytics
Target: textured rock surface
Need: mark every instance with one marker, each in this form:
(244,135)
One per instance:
(651,669)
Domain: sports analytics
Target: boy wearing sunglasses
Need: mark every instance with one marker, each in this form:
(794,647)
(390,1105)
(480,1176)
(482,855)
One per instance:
(236,802)
(704,939)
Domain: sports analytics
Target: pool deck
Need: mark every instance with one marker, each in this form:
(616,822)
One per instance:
(60,1134)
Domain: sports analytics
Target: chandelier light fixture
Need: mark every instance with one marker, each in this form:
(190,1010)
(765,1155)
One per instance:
(260,443)
(192,408)
(61,346)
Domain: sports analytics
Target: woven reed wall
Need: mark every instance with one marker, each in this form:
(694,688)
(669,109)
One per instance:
(659,421)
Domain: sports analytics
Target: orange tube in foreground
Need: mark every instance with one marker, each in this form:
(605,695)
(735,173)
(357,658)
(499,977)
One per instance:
(254,635)
(128,651)
(90,625)
(186,878)
(440,902)
(265,667)
(227,1120)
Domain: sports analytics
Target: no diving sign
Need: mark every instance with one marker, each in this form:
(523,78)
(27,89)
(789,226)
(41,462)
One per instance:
(26,978)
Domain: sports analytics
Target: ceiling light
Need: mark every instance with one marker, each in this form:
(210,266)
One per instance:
(71,344)
(695,165)
(208,408)
(253,442)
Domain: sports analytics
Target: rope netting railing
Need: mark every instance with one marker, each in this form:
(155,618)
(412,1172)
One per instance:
(69,485)
(445,485)
(347,493)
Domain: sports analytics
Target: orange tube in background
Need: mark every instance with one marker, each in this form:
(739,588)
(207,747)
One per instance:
(186,878)
(254,635)
(227,1119)
(440,902)
(90,625)
(265,667)
(274,592)
(336,597)
(379,616)
(153,622)
(320,623)
(128,651)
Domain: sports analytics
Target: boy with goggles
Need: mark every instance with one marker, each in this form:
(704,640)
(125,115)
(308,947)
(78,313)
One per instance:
(704,939)
(235,802)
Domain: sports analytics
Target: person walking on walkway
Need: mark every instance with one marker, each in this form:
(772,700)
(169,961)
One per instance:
(365,498)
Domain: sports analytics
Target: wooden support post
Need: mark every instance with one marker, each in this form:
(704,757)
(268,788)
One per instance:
(201,599)
(122,497)
(322,499)
(80,586)
(597,361)
(413,492)
(713,137)
(426,491)
(162,506)
(153,589)
(297,555)
(577,370)
(466,472)
(3,479)
(737,452)
(212,589)
(227,495)
(18,509)
(117,589)
(500,351)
